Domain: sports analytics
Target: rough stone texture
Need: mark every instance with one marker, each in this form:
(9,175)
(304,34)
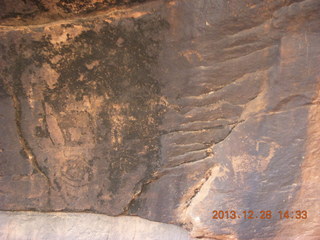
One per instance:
(17,12)
(167,110)
(87,110)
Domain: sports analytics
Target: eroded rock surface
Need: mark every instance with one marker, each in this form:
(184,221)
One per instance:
(167,110)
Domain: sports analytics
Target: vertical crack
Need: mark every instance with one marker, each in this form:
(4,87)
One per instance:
(193,192)
(45,121)
(24,143)
(189,197)
(143,186)
(197,188)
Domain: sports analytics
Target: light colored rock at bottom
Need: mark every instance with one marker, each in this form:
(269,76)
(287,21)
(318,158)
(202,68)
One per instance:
(78,226)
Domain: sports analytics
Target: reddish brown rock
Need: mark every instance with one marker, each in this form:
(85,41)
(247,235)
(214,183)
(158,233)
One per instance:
(167,110)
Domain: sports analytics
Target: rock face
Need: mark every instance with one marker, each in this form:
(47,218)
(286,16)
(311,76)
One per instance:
(168,110)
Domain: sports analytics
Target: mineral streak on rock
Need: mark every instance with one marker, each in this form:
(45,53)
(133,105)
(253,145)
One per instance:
(166,110)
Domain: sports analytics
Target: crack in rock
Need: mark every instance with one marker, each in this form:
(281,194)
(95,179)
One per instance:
(24,143)
(189,197)
(139,192)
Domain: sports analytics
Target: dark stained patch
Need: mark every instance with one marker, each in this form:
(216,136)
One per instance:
(113,64)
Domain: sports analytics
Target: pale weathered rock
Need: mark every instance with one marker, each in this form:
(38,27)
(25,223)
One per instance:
(167,110)
(78,226)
